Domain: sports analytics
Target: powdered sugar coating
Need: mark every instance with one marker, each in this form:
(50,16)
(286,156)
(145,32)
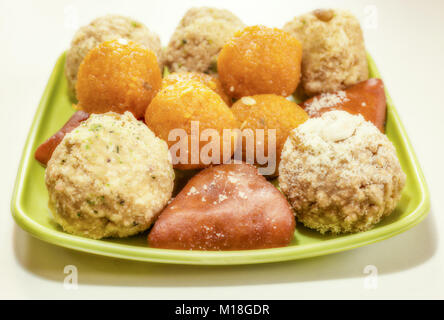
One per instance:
(326,100)
(109,177)
(340,173)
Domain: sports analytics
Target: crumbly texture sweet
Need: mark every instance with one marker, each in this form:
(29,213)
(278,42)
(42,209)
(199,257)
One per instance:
(268,112)
(260,60)
(197,13)
(340,173)
(179,106)
(334,54)
(199,37)
(119,76)
(110,177)
(106,28)
(211,81)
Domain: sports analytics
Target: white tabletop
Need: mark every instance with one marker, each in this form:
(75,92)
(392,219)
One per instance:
(406,40)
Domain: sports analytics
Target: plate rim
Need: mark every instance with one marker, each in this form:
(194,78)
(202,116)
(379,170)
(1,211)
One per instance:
(124,251)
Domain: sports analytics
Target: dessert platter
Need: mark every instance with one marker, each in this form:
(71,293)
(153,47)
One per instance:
(233,144)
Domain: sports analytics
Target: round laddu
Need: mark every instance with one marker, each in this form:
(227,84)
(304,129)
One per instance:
(198,39)
(179,106)
(334,55)
(106,28)
(340,173)
(211,81)
(260,60)
(110,177)
(267,112)
(118,76)
(196,13)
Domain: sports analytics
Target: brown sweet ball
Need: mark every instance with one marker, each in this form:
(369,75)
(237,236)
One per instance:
(210,81)
(260,60)
(268,111)
(119,76)
(183,105)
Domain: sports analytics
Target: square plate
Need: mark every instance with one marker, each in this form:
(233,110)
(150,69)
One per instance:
(30,199)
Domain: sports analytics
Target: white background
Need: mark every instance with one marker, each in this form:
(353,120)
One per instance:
(408,47)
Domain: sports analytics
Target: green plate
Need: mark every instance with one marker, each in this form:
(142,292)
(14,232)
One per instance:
(31,212)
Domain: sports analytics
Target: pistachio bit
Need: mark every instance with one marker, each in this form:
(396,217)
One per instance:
(135,24)
(95,127)
(213,67)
